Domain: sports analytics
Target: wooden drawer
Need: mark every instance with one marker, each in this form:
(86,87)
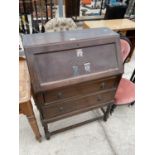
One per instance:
(80,90)
(84,104)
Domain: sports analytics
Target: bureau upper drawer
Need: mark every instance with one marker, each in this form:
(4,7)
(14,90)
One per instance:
(80,90)
(82,104)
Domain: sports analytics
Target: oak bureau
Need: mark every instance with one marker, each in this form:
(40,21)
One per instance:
(73,72)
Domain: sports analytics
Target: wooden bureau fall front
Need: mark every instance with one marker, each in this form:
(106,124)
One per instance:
(73,72)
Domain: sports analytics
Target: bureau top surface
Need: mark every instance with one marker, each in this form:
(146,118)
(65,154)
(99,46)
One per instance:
(67,58)
(41,39)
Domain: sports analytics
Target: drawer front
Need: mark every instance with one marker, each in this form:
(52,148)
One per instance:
(80,90)
(92,101)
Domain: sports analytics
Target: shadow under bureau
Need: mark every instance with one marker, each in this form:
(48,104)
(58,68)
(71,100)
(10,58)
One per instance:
(73,72)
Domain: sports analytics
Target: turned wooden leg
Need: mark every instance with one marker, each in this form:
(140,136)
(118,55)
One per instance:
(47,133)
(103,110)
(112,108)
(32,121)
(107,112)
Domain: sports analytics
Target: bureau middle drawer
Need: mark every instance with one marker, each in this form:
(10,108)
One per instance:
(79,90)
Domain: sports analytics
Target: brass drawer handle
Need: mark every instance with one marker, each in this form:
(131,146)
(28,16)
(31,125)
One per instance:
(60,95)
(102,85)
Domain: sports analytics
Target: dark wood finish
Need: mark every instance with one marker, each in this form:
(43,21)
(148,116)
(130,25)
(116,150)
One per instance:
(72,8)
(112,108)
(107,112)
(76,104)
(76,125)
(60,94)
(73,72)
(25,105)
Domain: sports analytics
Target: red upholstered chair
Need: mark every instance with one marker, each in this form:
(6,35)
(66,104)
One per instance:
(125,93)
(125,49)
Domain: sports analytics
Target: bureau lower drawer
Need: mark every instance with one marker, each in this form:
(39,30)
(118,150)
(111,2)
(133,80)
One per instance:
(80,90)
(62,108)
